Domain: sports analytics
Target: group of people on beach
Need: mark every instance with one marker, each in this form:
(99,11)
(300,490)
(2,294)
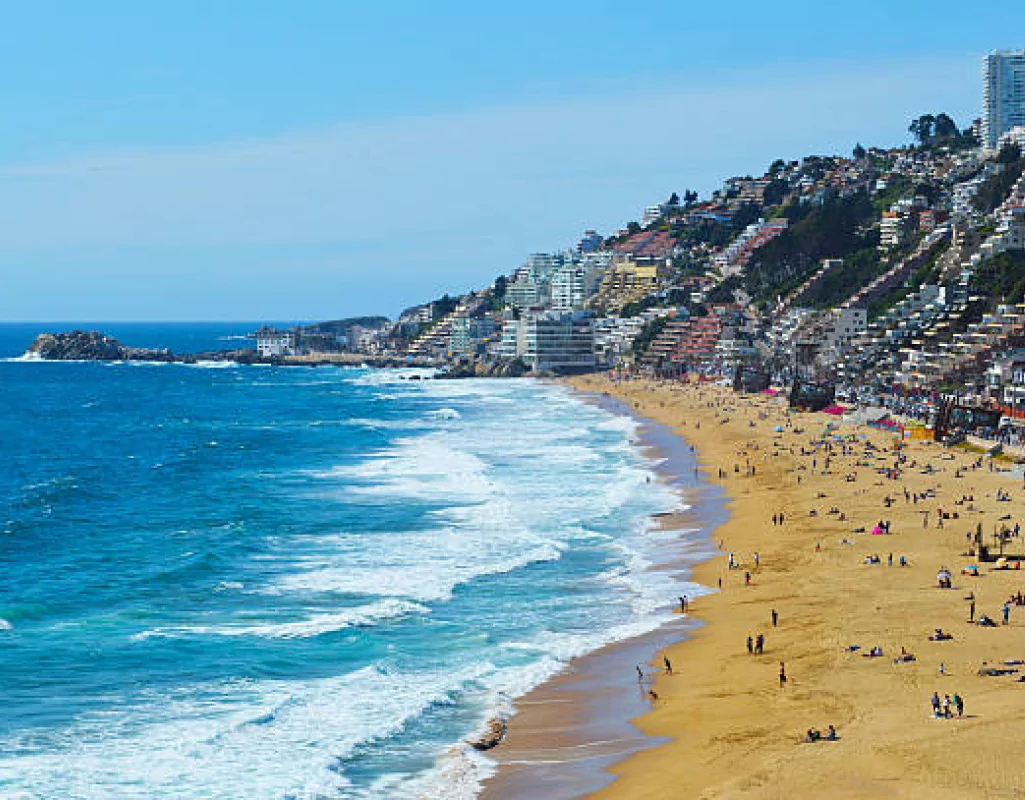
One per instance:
(942,709)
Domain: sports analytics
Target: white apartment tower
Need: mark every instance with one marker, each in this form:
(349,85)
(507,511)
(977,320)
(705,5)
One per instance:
(1003,94)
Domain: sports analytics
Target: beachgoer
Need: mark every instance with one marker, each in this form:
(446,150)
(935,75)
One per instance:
(669,667)
(775,618)
(935,700)
(1006,610)
(831,734)
(946,706)
(971,612)
(959,704)
(759,644)
(640,675)
(747,578)
(782,675)
(750,645)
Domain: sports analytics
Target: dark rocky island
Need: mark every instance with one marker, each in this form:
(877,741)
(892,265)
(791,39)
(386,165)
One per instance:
(96,346)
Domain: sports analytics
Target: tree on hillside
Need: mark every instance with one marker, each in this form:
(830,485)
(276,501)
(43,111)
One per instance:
(633,227)
(501,284)
(690,197)
(922,128)
(945,128)
(775,191)
(1009,153)
(777,166)
(859,152)
(674,199)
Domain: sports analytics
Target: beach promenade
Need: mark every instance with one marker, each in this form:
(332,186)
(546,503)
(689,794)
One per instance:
(734,729)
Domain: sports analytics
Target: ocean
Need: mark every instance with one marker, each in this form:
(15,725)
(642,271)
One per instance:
(223,582)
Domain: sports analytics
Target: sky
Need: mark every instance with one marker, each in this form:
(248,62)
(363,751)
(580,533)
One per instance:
(315,159)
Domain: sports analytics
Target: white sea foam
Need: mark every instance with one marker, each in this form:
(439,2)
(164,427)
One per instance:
(253,739)
(25,358)
(389,377)
(5,625)
(209,364)
(501,496)
(315,625)
(444,413)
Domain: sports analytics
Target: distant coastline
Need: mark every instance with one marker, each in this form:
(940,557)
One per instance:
(83,345)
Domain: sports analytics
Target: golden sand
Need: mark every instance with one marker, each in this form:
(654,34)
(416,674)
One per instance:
(734,731)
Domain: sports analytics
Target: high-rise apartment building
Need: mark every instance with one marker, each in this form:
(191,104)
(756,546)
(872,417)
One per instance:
(1003,94)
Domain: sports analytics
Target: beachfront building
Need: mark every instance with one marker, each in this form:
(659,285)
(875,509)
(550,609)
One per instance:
(524,292)
(628,280)
(550,342)
(271,342)
(365,340)
(653,214)
(614,337)
(572,285)
(1003,94)
(468,336)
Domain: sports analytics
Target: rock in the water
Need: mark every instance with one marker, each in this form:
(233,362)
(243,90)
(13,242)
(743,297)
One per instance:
(90,346)
(491,736)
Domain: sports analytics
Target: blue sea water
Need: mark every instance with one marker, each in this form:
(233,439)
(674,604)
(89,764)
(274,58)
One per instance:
(271,582)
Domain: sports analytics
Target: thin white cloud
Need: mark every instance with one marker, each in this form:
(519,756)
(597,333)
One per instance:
(526,176)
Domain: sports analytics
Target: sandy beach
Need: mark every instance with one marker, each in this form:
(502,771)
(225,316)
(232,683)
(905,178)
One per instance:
(730,728)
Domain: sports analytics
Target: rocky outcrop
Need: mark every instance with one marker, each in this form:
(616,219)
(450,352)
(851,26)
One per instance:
(491,736)
(91,346)
(96,346)
(468,368)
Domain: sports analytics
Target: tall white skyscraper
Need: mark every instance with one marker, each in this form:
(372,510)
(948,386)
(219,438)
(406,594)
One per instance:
(1003,94)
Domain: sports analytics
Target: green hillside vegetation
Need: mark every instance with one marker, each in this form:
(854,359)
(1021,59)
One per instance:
(833,229)
(928,273)
(859,268)
(649,334)
(719,234)
(343,325)
(1002,278)
(996,187)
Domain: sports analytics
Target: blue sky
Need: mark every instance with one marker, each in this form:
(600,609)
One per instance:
(308,160)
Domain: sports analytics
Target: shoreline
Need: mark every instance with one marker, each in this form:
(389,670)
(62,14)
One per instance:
(568,732)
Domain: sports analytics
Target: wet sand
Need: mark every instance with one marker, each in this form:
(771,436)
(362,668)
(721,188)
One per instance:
(569,731)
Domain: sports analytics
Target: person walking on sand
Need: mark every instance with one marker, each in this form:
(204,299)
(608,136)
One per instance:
(971,611)
(782,675)
(669,667)
(775,618)
(759,644)
(747,578)
(640,675)
(946,706)
(750,645)
(959,704)
(935,700)
(1006,610)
